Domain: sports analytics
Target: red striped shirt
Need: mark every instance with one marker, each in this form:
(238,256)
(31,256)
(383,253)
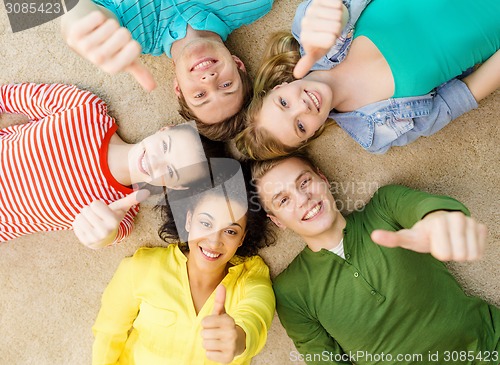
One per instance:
(54,165)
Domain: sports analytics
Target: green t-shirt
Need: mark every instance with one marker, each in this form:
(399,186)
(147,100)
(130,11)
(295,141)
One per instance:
(383,303)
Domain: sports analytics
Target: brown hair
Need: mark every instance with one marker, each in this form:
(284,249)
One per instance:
(280,57)
(227,128)
(261,168)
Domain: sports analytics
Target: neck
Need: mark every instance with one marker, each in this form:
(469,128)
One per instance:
(117,164)
(329,238)
(191,35)
(335,80)
(202,279)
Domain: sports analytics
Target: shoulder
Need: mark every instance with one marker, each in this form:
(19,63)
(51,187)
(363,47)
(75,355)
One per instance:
(147,256)
(289,278)
(250,266)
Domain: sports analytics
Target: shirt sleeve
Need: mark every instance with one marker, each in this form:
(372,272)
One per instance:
(450,101)
(313,342)
(118,311)
(38,101)
(402,207)
(255,312)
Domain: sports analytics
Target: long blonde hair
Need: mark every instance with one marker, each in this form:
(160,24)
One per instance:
(280,57)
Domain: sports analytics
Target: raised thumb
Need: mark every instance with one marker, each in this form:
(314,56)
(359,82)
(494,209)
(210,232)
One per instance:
(124,204)
(220,299)
(304,66)
(142,75)
(402,238)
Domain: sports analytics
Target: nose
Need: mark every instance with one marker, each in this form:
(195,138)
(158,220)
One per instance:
(302,107)
(302,198)
(208,76)
(214,238)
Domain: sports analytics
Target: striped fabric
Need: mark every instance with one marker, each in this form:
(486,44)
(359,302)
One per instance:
(156,24)
(54,165)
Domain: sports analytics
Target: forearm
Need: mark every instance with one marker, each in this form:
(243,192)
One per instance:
(486,79)
(83,8)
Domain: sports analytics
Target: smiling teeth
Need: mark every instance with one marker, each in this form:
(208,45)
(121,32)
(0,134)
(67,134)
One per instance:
(209,254)
(314,99)
(203,64)
(312,213)
(144,164)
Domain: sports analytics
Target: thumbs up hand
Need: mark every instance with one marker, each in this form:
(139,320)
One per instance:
(97,224)
(103,42)
(321,26)
(448,236)
(222,338)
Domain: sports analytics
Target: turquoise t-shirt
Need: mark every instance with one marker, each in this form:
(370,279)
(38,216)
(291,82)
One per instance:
(428,42)
(156,24)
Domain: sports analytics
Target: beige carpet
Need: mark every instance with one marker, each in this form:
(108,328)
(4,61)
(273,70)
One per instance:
(50,285)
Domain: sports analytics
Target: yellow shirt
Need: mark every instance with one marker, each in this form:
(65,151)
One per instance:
(147,315)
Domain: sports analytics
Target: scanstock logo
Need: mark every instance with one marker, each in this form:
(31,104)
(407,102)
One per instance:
(26,14)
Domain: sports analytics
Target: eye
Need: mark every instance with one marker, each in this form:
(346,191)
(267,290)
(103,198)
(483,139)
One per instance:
(301,126)
(282,201)
(165,147)
(231,232)
(283,102)
(206,224)
(305,182)
(226,84)
(200,95)
(170,172)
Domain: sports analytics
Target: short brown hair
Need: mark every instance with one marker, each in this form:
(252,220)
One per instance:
(227,128)
(261,168)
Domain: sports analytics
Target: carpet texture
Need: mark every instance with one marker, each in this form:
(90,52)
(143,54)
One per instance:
(50,285)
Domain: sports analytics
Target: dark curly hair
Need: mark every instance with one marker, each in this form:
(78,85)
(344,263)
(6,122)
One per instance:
(257,235)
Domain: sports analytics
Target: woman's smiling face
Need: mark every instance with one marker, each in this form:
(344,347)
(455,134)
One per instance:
(216,228)
(293,112)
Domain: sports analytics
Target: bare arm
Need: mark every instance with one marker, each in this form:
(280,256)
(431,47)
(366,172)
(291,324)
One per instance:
(486,79)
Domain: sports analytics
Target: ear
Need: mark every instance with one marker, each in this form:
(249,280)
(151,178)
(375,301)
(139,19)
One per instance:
(239,63)
(187,226)
(177,89)
(277,222)
(242,240)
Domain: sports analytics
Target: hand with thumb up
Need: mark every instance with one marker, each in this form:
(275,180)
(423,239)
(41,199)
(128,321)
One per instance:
(222,338)
(448,236)
(97,224)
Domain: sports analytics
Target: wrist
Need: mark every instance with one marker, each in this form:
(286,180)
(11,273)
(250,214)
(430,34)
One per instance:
(240,341)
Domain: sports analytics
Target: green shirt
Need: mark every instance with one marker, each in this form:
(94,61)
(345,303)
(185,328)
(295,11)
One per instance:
(380,303)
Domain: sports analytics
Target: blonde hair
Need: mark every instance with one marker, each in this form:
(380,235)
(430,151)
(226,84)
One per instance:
(280,57)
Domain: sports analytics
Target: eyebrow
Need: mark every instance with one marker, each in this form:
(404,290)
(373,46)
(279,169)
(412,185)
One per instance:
(279,193)
(209,100)
(212,218)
